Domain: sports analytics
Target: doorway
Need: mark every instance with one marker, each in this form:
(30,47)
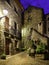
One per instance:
(7,47)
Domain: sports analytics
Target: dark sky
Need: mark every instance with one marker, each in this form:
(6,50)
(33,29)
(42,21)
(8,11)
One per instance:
(38,3)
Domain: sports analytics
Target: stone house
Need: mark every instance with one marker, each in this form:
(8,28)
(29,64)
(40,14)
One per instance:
(47,24)
(34,25)
(10,26)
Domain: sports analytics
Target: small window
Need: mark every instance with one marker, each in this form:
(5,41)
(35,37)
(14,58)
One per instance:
(15,25)
(15,28)
(39,23)
(48,29)
(29,19)
(31,30)
(29,10)
(48,18)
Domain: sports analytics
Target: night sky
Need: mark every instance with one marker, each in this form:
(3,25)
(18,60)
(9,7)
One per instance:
(38,3)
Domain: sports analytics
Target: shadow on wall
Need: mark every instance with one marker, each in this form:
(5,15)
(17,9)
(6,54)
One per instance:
(36,35)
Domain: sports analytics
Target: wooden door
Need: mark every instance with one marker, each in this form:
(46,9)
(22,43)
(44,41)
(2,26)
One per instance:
(7,47)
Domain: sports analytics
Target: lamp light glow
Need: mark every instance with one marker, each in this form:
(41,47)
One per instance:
(5,12)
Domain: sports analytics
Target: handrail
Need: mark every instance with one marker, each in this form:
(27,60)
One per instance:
(40,33)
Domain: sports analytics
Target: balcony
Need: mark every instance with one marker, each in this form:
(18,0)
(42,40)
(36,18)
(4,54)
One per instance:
(13,35)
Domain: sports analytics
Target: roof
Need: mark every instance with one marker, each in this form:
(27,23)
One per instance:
(47,14)
(34,7)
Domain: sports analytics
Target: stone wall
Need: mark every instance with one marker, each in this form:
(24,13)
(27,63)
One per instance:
(33,16)
(47,25)
(36,35)
(14,16)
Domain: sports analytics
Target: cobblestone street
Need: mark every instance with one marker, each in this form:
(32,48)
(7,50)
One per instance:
(23,59)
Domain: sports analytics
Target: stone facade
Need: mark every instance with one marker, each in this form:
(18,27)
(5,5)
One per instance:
(47,25)
(10,26)
(33,25)
(36,35)
(33,16)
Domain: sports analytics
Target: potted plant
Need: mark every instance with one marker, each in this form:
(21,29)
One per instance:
(3,56)
(40,48)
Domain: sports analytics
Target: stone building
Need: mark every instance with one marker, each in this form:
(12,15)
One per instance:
(47,24)
(34,25)
(33,16)
(10,26)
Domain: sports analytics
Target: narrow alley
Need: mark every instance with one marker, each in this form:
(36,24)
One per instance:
(23,59)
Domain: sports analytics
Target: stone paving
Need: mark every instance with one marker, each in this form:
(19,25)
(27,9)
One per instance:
(23,59)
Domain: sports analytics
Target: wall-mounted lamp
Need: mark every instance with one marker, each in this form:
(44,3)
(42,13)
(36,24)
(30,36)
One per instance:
(5,12)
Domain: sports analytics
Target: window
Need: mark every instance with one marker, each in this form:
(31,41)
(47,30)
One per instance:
(15,28)
(15,25)
(39,23)
(15,10)
(29,19)
(48,29)
(31,30)
(29,10)
(48,18)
